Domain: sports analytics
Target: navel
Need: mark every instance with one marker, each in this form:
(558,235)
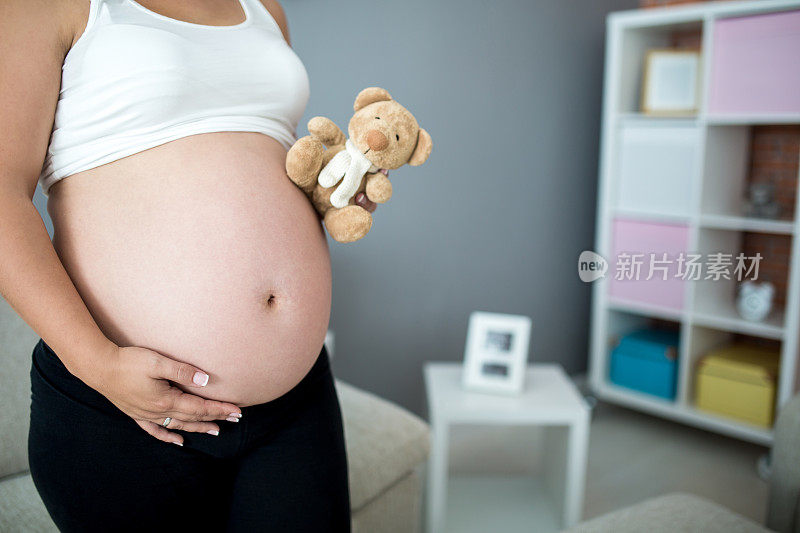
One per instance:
(270,301)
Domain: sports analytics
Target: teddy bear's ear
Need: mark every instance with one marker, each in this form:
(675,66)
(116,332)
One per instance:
(370,95)
(422,150)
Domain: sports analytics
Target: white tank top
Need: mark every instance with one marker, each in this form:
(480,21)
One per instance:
(136,79)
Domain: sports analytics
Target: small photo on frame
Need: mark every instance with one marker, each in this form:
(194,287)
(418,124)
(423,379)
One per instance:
(671,83)
(496,354)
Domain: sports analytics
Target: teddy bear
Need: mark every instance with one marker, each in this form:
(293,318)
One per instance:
(335,171)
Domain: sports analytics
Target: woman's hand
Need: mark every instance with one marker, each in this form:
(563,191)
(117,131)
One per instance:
(136,380)
(366,203)
(361,200)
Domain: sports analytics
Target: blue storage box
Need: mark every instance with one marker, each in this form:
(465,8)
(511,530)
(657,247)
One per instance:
(647,361)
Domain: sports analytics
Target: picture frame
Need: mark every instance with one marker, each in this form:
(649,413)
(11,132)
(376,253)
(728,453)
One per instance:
(496,353)
(671,82)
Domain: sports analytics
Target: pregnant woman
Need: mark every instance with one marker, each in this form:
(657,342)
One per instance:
(181,379)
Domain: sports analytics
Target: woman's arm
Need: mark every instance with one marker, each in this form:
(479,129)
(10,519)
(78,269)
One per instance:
(35,36)
(33,44)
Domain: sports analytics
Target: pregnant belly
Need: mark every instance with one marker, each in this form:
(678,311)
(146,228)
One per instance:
(202,250)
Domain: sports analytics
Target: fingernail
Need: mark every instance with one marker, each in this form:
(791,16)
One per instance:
(213,432)
(178,443)
(200,378)
(237,415)
(232,419)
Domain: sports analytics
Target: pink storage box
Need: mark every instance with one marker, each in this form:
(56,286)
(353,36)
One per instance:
(755,66)
(635,237)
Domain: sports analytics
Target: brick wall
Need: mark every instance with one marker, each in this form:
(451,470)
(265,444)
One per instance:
(774,154)
(775,251)
(774,158)
(687,39)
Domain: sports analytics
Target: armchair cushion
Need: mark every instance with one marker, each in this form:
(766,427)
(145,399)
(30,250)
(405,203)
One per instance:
(670,513)
(21,508)
(384,443)
(16,346)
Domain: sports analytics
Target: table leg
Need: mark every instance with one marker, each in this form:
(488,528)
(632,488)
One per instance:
(437,477)
(576,471)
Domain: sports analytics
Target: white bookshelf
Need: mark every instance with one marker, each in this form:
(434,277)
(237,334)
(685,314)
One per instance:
(712,151)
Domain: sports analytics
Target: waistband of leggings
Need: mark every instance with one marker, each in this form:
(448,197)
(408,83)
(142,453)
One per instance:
(48,362)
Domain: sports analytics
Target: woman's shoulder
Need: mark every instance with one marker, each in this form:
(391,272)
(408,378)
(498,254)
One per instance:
(57,21)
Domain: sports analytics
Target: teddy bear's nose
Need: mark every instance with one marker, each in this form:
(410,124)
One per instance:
(376,140)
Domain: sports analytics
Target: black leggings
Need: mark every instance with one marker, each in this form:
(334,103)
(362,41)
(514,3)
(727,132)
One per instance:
(281,468)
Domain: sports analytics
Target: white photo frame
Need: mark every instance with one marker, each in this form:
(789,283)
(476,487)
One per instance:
(496,354)
(671,83)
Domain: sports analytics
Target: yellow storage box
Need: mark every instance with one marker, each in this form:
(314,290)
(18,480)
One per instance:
(739,381)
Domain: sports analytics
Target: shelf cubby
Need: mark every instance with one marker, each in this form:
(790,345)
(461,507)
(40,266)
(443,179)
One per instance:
(754,64)
(656,166)
(736,157)
(715,299)
(636,41)
(640,238)
(622,323)
(725,170)
(705,339)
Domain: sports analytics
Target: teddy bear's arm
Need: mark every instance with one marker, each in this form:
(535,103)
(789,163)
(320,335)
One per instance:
(379,188)
(326,131)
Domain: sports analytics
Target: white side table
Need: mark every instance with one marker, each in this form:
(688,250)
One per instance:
(550,399)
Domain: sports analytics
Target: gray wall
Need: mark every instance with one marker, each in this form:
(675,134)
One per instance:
(510,91)
(495,220)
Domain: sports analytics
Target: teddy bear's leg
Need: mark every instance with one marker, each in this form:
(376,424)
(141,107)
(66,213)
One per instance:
(349,223)
(304,161)
(379,188)
(321,198)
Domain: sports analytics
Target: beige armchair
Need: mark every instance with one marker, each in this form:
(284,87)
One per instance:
(387,448)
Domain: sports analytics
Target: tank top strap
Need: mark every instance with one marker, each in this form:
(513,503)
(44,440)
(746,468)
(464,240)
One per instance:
(261,15)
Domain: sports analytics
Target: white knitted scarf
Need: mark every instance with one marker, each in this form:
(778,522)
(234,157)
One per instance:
(349,167)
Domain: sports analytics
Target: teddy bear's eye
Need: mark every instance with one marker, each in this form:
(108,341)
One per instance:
(377,118)
(396,136)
